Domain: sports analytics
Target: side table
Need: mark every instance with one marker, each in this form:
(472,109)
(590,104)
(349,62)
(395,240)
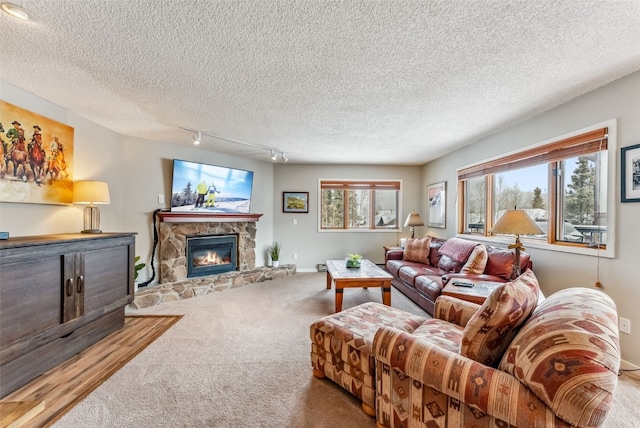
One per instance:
(476,294)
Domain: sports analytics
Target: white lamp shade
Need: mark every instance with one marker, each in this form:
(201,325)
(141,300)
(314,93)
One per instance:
(413,219)
(91,192)
(516,222)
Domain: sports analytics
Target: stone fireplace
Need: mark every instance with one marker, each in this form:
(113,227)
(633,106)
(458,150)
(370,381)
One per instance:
(174,261)
(174,283)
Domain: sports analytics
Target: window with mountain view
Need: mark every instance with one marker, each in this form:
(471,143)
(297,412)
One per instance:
(561,185)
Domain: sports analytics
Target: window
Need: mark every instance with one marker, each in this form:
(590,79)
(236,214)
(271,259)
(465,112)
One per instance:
(561,185)
(359,205)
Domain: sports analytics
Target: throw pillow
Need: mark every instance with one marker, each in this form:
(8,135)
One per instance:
(477,260)
(434,254)
(449,264)
(500,263)
(489,332)
(417,250)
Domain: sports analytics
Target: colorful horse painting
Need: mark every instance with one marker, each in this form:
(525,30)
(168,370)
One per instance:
(56,165)
(19,157)
(3,159)
(36,160)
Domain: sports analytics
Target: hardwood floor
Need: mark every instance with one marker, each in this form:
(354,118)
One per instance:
(48,397)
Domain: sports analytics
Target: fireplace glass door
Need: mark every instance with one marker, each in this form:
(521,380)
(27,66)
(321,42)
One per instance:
(211,254)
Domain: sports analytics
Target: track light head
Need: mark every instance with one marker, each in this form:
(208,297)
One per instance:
(274,155)
(15,11)
(197,138)
(284,157)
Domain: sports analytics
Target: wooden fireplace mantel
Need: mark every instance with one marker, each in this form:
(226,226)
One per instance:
(178,217)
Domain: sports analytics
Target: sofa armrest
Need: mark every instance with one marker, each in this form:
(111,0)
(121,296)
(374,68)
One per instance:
(394,254)
(415,362)
(481,277)
(455,311)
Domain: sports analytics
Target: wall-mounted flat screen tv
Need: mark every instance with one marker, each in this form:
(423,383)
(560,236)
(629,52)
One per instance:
(198,187)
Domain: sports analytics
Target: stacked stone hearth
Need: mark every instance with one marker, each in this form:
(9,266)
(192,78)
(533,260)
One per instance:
(174,284)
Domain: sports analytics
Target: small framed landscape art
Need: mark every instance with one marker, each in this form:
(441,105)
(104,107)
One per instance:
(295,202)
(437,205)
(630,168)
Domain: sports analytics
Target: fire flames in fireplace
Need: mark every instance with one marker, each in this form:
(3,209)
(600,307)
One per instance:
(211,258)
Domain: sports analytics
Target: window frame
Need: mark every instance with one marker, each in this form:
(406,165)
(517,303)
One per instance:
(364,184)
(519,158)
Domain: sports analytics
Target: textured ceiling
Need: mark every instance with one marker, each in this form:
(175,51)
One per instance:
(354,81)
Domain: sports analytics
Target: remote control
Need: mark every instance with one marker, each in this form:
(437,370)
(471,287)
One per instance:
(463,284)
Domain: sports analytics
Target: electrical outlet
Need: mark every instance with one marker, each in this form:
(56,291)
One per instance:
(624,325)
(295,256)
(295,221)
(160,198)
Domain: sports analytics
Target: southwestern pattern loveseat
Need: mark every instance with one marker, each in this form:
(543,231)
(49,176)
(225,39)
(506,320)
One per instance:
(422,269)
(560,369)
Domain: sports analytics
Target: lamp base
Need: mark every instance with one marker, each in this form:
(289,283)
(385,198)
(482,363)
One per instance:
(517,246)
(91,219)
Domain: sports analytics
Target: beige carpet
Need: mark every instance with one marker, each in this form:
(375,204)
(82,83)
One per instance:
(240,358)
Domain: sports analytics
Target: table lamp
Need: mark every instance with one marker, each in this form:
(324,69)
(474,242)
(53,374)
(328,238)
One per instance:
(516,222)
(413,220)
(91,192)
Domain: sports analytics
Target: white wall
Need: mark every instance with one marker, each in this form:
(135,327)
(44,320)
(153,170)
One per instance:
(136,171)
(555,270)
(313,247)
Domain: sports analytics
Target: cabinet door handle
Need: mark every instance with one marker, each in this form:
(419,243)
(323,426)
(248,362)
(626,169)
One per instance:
(69,286)
(80,284)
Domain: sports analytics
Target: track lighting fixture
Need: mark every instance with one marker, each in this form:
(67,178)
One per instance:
(197,139)
(274,156)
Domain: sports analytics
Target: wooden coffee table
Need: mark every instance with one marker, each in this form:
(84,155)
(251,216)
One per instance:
(367,275)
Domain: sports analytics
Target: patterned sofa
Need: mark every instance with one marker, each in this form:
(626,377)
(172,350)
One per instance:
(505,363)
(422,269)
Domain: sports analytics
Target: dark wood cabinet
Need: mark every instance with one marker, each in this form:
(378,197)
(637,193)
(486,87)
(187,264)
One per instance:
(58,295)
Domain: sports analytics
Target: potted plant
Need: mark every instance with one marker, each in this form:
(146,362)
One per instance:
(137,267)
(353,261)
(274,252)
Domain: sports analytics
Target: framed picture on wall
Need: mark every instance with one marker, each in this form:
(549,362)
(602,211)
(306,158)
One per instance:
(295,202)
(437,205)
(37,158)
(630,168)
